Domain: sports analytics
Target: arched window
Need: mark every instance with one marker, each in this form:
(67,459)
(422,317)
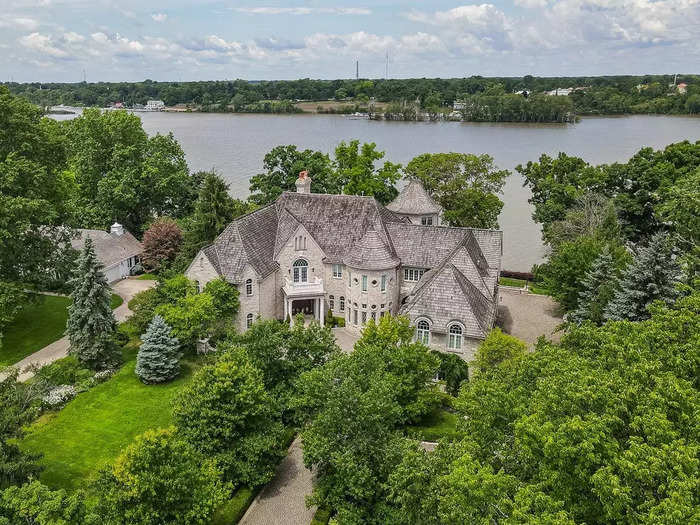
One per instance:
(301,271)
(249,287)
(423,332)
(331,302)
(454,342)
(249,320)
(342,303)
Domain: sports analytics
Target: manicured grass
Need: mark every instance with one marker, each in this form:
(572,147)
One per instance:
(440,424)
(509,281)
(116,301)
(40,323)
(148,277)
(93,428)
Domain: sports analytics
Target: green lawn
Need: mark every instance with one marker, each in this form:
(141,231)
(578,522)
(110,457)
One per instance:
(148,277)
(509,281)
(93,428)
(38,324)
(538,290)
(435,426)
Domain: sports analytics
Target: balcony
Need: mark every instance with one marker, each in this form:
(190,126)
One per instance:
(313,287)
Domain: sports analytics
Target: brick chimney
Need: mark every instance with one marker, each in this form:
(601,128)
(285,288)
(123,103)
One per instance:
(303,183)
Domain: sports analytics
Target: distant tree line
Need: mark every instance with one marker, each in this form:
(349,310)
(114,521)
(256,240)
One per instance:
(602,95)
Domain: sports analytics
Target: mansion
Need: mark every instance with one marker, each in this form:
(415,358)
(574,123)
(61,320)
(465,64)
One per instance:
(350,257)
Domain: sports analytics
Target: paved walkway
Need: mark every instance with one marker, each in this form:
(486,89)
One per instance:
(283,499)
(528,316)
(126,289)
(346,340)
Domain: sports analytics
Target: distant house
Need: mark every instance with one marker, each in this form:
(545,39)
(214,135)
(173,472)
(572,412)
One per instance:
(118,250)
(559,92)
(350,257)
(682,88)
(155,105)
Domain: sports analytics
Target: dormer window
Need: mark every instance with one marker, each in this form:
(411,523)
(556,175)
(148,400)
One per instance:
(413,274)
(427,220)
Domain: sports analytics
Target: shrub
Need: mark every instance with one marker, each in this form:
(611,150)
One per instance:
(66,371)
(158,359)
(160,479)
(59,396)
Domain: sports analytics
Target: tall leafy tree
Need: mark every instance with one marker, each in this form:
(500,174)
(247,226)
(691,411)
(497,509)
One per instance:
(122,174)
(497,348)
(597,289)
(158,359)
(34,191)
(357,174)
(36,504)
(282,166)
(465,185)
(161,243)
(91,325)
(226,413)
(652,276)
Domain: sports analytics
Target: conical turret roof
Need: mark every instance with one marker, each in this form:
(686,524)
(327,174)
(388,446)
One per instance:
(414,200)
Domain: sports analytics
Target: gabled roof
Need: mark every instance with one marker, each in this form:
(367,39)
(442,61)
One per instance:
(371,253)
(414,200)
(110,248)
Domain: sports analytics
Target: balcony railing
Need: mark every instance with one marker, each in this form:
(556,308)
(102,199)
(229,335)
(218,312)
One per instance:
(314,286)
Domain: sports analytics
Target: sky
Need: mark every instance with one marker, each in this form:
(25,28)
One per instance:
(177,40)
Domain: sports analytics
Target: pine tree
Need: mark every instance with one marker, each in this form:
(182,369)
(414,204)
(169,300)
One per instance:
(599,287)
(91,325)
(651,276)
(158,359)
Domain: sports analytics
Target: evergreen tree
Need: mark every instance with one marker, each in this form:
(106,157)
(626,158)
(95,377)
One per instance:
(651,276)
(158,359)
(599,287)
(91,325)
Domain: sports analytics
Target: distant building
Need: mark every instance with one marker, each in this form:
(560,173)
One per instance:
(459,105)
(155,105)
(117,250)
(349,256)
(682,88)
(559,92)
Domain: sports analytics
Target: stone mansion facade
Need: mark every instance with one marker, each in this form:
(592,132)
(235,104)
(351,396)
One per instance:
(350,256)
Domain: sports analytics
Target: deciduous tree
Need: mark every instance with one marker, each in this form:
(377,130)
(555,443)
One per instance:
(161,243)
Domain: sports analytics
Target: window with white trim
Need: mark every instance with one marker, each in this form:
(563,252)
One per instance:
(249,320)
(423,332)
(454,341)
(383,287)
(342,303)
(427,221)
(364,283)
(413,274)
(300,270)
(364,317)
(337,271)
(331,302)
(249,287)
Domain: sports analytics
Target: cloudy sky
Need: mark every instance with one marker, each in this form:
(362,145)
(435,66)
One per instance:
(112,40)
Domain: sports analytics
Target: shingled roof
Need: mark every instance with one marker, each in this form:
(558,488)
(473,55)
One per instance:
(371,253)
(414,200)
(110,248)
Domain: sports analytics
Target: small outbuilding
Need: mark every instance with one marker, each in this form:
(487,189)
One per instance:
(118,250)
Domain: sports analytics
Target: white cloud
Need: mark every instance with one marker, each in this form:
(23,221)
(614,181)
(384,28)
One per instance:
(18,22)
(303,10)
(72,37)
(42,44)
(530,4)
(159,17)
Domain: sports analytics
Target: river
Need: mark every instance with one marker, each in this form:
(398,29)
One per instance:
(235,144)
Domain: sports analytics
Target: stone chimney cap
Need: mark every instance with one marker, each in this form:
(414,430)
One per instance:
(303,174)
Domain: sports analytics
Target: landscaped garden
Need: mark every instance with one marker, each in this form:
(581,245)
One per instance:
(93,428)
(41,322)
